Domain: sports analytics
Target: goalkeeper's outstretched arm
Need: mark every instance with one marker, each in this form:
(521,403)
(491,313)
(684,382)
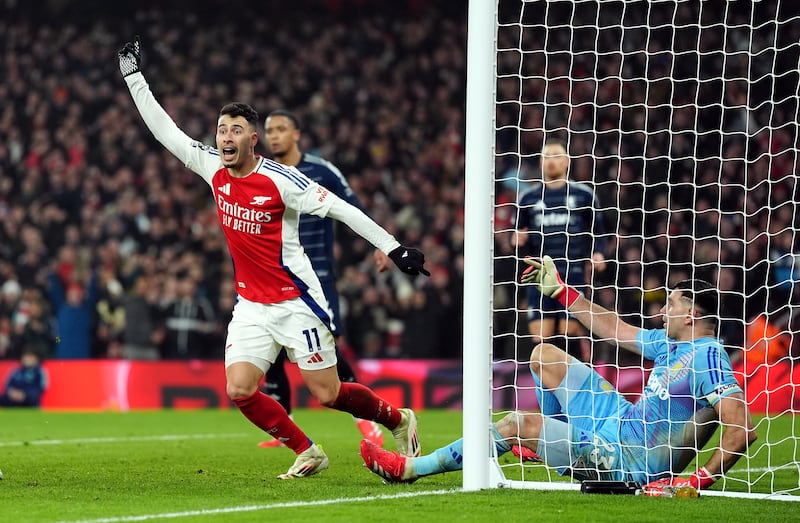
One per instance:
(603,323)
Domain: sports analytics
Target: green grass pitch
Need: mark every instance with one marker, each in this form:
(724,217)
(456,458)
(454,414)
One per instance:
(204,465)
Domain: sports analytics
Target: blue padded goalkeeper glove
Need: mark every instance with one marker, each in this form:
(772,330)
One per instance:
(409,260)
(130,57)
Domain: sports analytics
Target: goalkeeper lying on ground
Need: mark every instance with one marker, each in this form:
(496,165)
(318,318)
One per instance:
(588,430)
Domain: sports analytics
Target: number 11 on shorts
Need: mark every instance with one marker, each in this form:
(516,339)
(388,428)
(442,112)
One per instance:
(311,345)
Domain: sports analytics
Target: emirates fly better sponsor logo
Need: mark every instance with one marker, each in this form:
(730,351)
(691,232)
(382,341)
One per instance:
(241,218)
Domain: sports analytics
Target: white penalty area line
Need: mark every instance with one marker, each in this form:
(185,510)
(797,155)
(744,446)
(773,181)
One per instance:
(253,508)
(127,439)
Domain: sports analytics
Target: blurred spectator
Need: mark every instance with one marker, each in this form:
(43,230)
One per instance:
(448,294)
(188,323)
(785,264)
(768,339)
(110,317)
(142,334)
(5,337)
(367,317)
(423,315)
(33,326)
(74,307)
(10,293)
(27,383)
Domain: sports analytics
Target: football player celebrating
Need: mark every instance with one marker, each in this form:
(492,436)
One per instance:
(282,134)
(280,299)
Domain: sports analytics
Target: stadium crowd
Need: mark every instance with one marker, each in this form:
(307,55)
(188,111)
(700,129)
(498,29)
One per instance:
(94,216)
(691,154)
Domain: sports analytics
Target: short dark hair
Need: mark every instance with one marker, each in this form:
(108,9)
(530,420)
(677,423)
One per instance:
(703,296)
(288,114)
(235,109)
(554,140)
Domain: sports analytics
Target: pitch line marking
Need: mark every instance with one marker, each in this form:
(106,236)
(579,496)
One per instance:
(127,439)
(789,467)
(252,508)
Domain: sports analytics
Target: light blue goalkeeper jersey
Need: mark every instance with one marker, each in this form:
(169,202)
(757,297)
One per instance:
(686,377)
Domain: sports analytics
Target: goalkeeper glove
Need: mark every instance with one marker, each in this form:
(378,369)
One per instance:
(701,480)
(544,275)
(130,57)
(409,260)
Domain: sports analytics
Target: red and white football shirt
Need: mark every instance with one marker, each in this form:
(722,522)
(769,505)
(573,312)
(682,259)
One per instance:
(259,213)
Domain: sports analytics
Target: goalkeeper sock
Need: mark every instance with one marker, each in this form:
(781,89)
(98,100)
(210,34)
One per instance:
(501,446)
(450,457)
(443,459)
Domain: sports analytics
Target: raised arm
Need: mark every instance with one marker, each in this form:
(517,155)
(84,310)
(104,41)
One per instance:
(201,159)
(603,323)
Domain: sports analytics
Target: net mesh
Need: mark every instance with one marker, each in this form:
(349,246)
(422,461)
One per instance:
(682,118)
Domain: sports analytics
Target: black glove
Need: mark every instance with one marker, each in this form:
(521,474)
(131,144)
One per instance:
(130,57)
(409,260)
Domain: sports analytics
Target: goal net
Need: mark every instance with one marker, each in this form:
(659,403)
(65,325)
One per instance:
(682,119)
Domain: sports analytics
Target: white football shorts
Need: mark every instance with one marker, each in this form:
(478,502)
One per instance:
(258,331)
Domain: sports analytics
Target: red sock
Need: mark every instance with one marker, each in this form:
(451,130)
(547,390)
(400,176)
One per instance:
(268,415)
(362,403)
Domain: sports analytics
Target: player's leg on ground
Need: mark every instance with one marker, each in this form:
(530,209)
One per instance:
(578,388)
(587,443)
(362,402)
(278,388)
(549,405)
(552,441)
(309,462)
(368,428)
(263,411)
(396,468)
(519,427)
(251,346)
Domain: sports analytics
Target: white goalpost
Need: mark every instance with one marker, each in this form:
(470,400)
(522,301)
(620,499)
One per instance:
(478,208)
(683,118)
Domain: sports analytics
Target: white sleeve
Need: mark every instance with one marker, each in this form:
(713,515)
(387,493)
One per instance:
(202,159)
(307,196)
(363,225)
